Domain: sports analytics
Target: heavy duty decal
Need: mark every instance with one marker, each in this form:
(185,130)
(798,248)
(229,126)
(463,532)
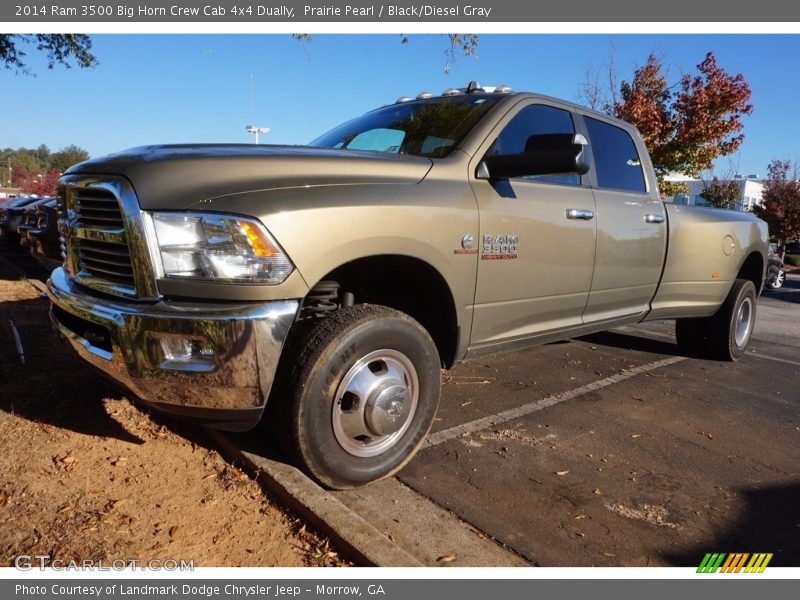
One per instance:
(499,247)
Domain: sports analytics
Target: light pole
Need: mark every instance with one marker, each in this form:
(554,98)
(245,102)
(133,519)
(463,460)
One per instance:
(256,130)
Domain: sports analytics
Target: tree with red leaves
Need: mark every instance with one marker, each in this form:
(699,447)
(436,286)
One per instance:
(780,207)
(36,183)
(687,129)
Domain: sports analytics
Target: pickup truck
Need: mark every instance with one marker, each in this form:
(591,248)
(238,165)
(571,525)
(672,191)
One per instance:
(326,286)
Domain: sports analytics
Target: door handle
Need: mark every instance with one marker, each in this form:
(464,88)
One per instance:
(580,213)
(653,218)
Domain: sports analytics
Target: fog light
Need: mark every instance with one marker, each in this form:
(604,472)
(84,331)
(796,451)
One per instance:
(186,354)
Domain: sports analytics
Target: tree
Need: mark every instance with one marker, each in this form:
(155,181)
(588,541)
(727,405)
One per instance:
(721,193)
(42,154)
(646,103)
(780,206)
(38,160)
(22,157)
(688,125)
(66,157)
(60,49)
(458,44)
(37,183)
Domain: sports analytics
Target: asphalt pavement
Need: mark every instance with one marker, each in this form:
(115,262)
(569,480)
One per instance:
(614,449)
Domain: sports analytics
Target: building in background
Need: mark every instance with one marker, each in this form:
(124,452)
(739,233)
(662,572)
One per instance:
(750,191)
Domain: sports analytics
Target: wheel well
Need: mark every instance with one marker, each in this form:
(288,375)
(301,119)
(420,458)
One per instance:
(406,284)
(753,269)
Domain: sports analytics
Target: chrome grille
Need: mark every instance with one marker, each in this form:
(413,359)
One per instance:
(103,237)
(96,207)
(104,260)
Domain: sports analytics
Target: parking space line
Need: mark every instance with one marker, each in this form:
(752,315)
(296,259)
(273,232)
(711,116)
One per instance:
(775,358)
(445,435)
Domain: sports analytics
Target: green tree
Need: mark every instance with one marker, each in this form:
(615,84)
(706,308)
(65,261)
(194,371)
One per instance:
(66,157)
(42,154)
(60,49)
(25,158)
(40,160)
(780,206)
(721,193)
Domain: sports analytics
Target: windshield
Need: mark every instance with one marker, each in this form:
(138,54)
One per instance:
(423,128)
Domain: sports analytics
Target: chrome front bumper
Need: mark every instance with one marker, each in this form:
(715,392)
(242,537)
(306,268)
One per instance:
(226,387)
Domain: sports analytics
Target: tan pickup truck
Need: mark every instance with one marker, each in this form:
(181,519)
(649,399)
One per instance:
(328,284)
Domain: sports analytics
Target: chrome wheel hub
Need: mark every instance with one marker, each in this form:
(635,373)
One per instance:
(375,403)
(744,322)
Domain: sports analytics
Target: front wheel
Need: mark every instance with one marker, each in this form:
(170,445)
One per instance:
(362,395)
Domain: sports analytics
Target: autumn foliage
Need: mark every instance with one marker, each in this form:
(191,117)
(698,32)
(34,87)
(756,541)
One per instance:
(36,183)
(781,201)
(689,125)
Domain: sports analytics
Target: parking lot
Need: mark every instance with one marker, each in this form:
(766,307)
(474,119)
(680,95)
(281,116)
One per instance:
(615,450)
(611,449)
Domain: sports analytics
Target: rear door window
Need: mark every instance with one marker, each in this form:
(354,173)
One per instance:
(616,161)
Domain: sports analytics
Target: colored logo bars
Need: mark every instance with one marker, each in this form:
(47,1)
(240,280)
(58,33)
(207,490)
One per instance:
(734,562)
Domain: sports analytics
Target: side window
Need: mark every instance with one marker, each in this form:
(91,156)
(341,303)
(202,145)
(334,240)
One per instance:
(615,158)
(537,119)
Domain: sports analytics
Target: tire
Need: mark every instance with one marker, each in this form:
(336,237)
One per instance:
(691,336)
(778,282)
(362,395)
(731,328)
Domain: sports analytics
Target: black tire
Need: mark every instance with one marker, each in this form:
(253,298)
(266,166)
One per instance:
(364,350)
(691,336)
(731,328)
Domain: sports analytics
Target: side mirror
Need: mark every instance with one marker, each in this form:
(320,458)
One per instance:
(548,154)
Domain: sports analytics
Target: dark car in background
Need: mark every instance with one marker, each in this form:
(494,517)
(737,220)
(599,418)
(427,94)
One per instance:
(43,238)
(11,214)
(776,275)
(28,221)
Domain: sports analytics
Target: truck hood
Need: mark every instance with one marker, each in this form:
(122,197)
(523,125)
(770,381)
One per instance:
(178,176)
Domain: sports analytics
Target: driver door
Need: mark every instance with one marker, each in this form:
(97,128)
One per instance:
(536,252)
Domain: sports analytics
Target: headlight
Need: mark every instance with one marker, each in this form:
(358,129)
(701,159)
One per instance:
(220,248)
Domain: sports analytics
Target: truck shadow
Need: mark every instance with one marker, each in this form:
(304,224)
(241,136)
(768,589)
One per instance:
(52,386)
(624,341)
(769,522)
(19,261)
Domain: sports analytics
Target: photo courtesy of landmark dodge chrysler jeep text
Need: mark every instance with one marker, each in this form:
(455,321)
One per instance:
(325,286)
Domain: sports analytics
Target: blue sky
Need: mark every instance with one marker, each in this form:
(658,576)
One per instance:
(197,88)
